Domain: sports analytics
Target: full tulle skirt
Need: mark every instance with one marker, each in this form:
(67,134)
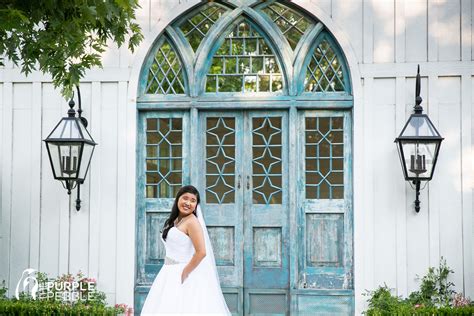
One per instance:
(196,296)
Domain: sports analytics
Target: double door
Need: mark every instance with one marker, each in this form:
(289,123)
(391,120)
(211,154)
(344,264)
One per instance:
(240,162)
(242,174)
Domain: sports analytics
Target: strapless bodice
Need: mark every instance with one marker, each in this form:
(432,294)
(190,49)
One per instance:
(178,245)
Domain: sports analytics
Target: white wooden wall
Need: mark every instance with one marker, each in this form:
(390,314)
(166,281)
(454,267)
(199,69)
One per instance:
(383,40)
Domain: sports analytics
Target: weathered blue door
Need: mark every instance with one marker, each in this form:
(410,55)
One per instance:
(251,101)
(243,159)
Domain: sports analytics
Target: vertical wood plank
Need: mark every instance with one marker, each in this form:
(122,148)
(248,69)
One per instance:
(449,30)
(384,160)
(369,249)
(1,163)
(400,34)
(21,170)
(435,186)
(416,27)
(467,180)
(433,34)
(349,15)
(384,31)
(35,177)
(472,31)
(449,172)
(95,174)
(368,38)
(6,156)
(400,191)
(108,202)
(79,230)
(466,31)
(124,244)
(417,223)
(53,196)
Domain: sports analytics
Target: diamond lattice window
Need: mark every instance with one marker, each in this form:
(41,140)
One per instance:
(196,27)
(220,160)
(165,75)
(324,72)
(244,63)
(292,24)
(267,160)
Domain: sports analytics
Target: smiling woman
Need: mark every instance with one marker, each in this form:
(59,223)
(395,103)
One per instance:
(188,281)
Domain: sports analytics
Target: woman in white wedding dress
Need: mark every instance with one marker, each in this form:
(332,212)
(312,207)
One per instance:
(187,283)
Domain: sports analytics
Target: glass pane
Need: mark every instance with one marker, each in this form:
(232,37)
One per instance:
(267,160)
(419,158)
(324,71)
(244,63)
(291,23)
(198,25)
(163,157)
(324,157)
(165,75)
(220,160)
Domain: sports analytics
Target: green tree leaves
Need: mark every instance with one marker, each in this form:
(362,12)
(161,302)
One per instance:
(65,38)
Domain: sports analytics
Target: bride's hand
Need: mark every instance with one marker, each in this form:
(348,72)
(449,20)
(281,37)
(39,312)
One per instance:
(184,275)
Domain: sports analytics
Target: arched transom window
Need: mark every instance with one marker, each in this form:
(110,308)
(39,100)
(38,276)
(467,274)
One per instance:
(269,49)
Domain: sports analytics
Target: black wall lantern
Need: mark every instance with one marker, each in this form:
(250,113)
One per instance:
(70,148)
(418,146)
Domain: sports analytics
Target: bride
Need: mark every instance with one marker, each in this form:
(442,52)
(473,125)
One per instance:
(188,282)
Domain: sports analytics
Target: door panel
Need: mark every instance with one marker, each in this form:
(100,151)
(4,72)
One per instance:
(325,260)
(220,160)
(266,212)
(244,178)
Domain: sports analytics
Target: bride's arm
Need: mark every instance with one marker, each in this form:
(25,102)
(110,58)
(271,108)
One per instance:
(195,233)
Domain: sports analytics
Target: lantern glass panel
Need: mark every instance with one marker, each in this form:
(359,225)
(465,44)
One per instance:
(85,161)
(419,158)
(85,133)
(419,125)
(55,158)
(69,160)
(67,128)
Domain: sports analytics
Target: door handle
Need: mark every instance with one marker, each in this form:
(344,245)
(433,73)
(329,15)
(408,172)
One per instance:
(238,181)
(248,182)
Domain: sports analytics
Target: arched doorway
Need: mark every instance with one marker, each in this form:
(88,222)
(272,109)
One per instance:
(254,107)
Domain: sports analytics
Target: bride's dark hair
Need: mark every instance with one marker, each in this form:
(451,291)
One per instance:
(175,211)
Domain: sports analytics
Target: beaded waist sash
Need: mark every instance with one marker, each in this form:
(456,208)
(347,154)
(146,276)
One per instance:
(169,260)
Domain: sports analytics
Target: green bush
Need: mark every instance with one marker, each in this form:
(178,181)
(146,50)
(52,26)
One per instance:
(55,304)
(39,307)
(435,297)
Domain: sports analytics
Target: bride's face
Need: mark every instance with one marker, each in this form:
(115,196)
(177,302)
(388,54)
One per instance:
(187,204)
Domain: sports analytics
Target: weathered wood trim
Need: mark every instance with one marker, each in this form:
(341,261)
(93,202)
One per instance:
(308,43)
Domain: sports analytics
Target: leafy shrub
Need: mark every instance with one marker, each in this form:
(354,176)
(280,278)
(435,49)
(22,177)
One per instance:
(3,291)
(55,299)
(435,297)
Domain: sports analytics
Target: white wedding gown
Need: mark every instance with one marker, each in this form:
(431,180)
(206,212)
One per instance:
(199,294)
